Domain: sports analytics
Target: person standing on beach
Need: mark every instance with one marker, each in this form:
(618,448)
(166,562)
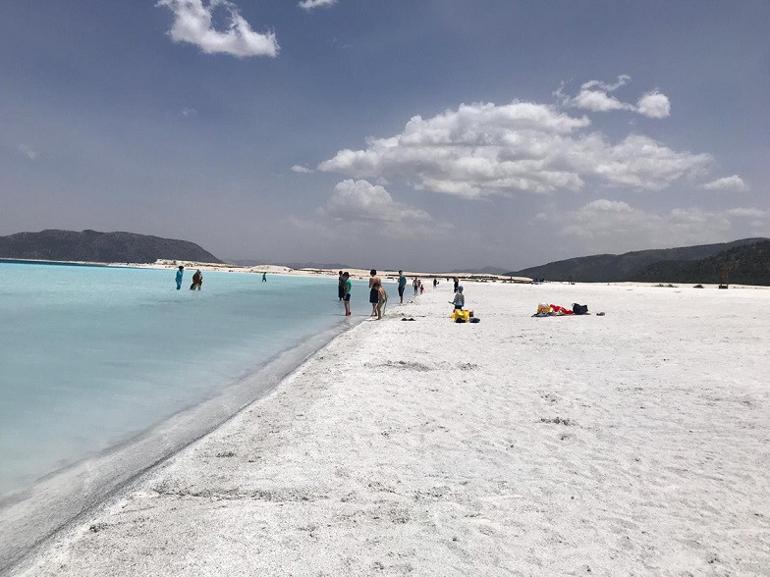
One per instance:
(264,277)
(341,287)
(401,285)
(347,287)
(457,283)
(435,282)
(415,285)
(382,299)
(179,275)
(373,298)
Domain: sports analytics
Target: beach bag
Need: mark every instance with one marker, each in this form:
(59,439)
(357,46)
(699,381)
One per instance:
(579,309)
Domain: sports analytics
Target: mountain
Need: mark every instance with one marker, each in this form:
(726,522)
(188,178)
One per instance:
(93,246)
(623,267)
(745,264)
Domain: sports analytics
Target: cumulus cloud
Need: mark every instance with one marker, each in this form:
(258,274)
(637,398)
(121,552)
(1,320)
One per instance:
(654,105)
(298,168)
(741,212)
(596,96)
(312,4)
(732,183)
(193,23)
(616,226)
(28,151)
(360,208)
(479,150)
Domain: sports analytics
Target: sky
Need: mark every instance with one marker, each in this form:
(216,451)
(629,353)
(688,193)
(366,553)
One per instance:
(419,134)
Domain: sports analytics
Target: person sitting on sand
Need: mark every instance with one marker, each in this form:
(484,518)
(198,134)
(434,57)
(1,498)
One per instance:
(348,287)
(382,299)
(179,275)
(373,280)
(459,300)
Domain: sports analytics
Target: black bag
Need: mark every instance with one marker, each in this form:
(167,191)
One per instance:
(579,309)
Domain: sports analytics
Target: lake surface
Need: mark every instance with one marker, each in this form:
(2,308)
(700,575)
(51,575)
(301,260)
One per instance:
(90,357)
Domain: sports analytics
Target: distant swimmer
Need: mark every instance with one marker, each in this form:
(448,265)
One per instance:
(197,281)
(264,277)
(179,275)
(346,297)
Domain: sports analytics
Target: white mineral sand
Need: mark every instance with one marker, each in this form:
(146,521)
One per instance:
(637,443)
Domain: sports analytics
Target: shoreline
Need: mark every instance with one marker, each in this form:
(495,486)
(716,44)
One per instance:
(33,516)
(514,445)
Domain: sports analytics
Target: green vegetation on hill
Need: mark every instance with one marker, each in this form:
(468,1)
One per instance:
(628,266)
(747,264)
(93,246)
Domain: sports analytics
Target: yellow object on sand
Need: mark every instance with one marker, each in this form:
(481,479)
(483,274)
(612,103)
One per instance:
(459,313)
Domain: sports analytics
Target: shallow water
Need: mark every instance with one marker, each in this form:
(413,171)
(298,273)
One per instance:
(92,356)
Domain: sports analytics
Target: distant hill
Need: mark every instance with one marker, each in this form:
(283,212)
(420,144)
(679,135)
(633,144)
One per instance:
(93,246)
(745,264)
(627,266)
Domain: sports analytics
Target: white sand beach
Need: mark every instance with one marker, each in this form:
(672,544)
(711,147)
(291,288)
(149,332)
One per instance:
(637,443)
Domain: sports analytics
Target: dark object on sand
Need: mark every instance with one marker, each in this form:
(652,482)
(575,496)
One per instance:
(475,320)
(579,309)
(599,314)
(698,286)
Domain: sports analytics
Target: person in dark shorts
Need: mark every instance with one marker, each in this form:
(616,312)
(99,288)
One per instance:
(401,285)
(373,296)
(348,287)
(341,287)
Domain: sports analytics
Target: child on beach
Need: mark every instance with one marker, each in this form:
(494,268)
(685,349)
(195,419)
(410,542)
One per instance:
(346,296)
(459,300)
(382,299)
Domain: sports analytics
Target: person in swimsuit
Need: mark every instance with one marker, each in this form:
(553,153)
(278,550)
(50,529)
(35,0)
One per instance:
(179,275)
(346,297)
(401,285)
(197,281)
(373,298)
(382,299)
(264,277)
(341,287)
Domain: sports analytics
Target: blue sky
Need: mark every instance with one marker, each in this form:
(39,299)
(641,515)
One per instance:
(265,130)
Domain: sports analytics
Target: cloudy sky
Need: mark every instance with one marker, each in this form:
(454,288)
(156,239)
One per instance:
(428,134)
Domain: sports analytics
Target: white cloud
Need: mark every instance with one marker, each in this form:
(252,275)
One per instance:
(654,105)
(28,151)
(480,150)
(606,225)
(298,168)
(312,4)
(741,212)
(360,208)
(193,23)
(188,112)
(732,183)
(595,96)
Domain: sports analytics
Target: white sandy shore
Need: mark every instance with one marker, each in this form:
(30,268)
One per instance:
(631,444)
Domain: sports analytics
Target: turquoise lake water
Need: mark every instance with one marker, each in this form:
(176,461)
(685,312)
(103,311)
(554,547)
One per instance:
(93,356)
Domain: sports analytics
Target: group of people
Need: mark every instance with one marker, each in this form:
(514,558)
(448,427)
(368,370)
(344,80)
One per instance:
(197,279)
(378,296)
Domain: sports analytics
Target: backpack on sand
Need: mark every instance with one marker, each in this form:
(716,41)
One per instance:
(579,309)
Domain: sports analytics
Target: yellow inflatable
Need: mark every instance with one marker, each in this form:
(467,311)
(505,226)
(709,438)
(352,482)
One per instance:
(461,314)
